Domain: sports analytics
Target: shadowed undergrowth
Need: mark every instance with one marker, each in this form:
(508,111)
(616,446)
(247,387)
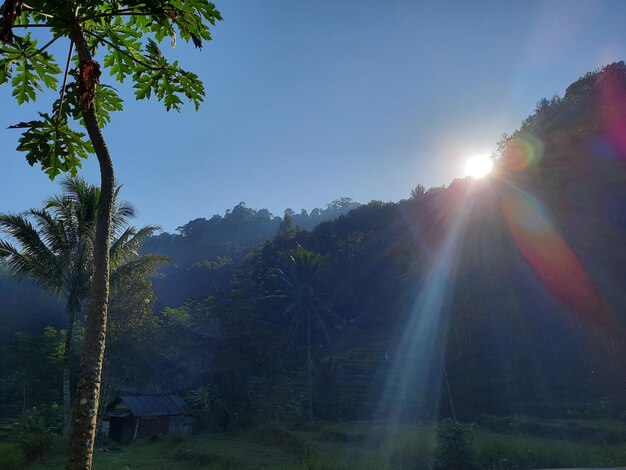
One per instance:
(342,446)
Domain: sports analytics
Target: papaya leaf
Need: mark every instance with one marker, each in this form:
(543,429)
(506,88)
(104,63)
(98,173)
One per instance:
(32,69)
(125,36)
(167,82)
(54,145)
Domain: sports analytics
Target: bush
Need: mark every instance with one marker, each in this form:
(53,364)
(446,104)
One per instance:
(204,460)
(36,446)
(313,462)
(455,446)
(552,430)
(276,436)
(35,431)
(11,457)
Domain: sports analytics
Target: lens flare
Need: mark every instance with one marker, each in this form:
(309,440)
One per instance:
(611,110)
(525,151)
(478,166)
(550,257)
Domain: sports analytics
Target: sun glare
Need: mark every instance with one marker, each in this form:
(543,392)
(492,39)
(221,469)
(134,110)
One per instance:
(478,166)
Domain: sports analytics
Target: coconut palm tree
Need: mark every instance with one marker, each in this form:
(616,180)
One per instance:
(53,247)
(304,287)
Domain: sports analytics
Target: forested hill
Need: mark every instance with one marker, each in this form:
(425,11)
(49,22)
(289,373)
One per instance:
(515,282)
(512,284)
(205,253)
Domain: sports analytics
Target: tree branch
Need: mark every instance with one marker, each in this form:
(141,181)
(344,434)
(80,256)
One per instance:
(121,12)
(67,69)
(126,12)
(32,25)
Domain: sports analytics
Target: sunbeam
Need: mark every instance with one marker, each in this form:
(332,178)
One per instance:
(414,382)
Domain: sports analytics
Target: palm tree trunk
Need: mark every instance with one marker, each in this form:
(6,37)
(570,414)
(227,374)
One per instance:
(80,452)
(67,354)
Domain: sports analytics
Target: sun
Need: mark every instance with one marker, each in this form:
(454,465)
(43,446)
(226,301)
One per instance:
(478,166)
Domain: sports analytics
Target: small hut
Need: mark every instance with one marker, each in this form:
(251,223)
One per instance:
(132,417)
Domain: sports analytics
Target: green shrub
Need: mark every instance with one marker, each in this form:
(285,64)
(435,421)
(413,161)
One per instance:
(313,462)
(35,431)
(455,446)
(277,436)
(36,446)
(565,430)
(204,460)
(11,457)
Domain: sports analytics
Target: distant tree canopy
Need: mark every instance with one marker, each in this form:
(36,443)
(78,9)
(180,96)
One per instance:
(206,252)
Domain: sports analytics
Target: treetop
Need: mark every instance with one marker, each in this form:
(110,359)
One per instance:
(125,39)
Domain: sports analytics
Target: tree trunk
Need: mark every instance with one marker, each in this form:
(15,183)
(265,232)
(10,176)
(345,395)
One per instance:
(67,354)
(80,452)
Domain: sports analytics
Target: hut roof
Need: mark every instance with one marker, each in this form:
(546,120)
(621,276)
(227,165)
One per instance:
(149,405)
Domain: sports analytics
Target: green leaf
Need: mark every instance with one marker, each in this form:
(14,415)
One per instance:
(125,45)
(5,70)
(168,82)
(30,70)
(107,101)
(54,145)
(192,18)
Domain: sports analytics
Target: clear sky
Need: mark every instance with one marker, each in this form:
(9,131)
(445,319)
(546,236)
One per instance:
(311,100)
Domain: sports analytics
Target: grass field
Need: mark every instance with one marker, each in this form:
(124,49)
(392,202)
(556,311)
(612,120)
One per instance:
(343,446)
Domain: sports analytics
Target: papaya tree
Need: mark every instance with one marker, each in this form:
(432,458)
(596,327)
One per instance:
(124,38)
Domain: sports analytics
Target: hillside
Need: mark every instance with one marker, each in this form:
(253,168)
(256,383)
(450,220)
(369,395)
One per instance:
(516,280)
(502,295)
(205,253)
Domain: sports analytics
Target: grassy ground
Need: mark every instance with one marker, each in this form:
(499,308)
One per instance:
(344,446)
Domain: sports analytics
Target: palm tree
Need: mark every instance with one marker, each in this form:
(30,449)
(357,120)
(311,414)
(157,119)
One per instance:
(307,293)
(54,249)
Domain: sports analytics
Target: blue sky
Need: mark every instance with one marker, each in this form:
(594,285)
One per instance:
(311,100)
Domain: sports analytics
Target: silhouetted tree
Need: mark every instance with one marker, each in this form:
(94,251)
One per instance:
(304,288)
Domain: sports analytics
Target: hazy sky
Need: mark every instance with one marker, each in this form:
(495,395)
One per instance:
(311,100)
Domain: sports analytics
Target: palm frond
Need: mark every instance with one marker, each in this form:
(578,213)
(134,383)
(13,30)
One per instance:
(143,266)
(20,229)
(51,230)
(127,246)
(57,252)
(25,266)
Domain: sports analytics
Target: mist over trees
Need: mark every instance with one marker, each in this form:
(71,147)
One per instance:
(206,252)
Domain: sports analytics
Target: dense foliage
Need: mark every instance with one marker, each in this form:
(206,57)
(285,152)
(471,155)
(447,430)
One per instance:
(124,38)
(206,253)
(531,320)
